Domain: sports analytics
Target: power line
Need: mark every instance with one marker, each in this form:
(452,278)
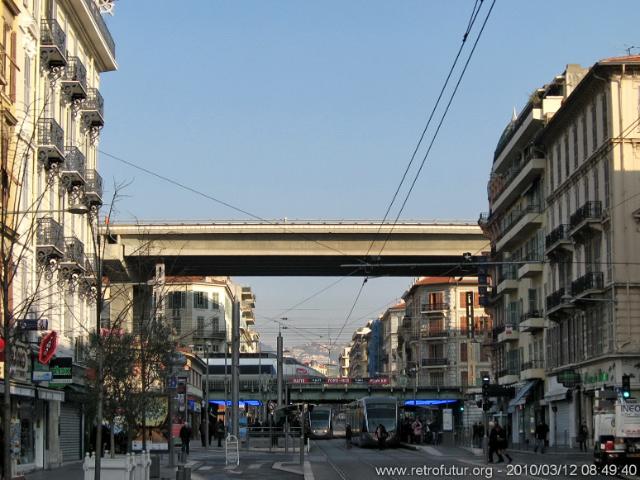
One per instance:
(472,19)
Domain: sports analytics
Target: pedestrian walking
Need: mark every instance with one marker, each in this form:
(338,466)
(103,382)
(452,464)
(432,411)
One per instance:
(381,435)
(219,431)
(203,434)
(542,429)
(480,434)
(503,444)
(417,430)
(185,437)
(583,435)
(347,435)
(494,443)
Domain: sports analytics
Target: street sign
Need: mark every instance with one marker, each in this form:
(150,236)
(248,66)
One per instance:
(569,378)
(31,324)
(173,382)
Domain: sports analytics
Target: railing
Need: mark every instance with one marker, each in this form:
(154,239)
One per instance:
(590,281)
(532,364)
(531,314)
(52,34)
(50,134)
(561,232)
(74,251)
(102,26)
(485,217)
(515,216)
(434,307)
(94,101)
(93,182)
(514,170)
(555,298)
(508,272)
(434,362)
(589,211)
(75,71)
(204,334)
(74,160)
(508,371)
(50,233)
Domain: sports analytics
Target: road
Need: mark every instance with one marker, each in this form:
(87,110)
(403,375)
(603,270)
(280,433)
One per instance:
(331,460)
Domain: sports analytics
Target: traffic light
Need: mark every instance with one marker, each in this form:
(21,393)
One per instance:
(485,386)
(462,408)
(486,406)
(626,386)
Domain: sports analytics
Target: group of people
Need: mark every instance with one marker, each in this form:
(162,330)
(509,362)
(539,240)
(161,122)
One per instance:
(478,434)
(381,435)
(216,429)
(415,430)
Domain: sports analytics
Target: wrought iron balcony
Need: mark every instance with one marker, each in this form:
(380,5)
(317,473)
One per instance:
(558,238)
(74,259)
(557,302)
(93,108)
(50,142)
(102,26)
(434,307)
(49,240)
(53,43)
(74,79)
(72,170)
(587,216)
(592,282)
(435,362)
(93,188)
(532,364)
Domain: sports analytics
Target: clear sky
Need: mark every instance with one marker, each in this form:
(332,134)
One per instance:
(311,110)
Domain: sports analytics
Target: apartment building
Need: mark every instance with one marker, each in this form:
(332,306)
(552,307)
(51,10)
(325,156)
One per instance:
(200,310)
(53,56)
(564,203)
(343,362)
(440,338)
(390,321)
(359,353)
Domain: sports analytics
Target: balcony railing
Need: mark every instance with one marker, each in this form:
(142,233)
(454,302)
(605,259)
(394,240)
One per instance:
(508,272)
(434,307)
(515,216)
(558,234)
(49,238)
(590,211)
(499,186)
(74,252)
(93,108)
(74,80)
(590,281)
(434,362)
(53,43)
(93,187)
(50,142)
(532,364)
(531,314)
(73,169)
(557,299)
(102,26)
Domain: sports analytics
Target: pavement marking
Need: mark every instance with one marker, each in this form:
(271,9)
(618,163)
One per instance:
(432,451)
(254,466)
(205,468)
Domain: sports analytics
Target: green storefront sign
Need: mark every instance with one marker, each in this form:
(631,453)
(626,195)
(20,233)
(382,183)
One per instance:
(62,370)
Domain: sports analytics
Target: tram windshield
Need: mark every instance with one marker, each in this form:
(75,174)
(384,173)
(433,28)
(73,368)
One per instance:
(381,413)
(320,418)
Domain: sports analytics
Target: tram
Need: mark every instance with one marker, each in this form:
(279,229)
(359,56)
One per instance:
(366,414)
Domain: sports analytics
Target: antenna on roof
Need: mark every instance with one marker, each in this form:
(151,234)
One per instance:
(628,48)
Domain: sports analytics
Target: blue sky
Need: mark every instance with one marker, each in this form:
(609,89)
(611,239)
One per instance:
(305,109)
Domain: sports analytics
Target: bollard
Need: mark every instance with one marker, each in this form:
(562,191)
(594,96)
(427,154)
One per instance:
(186,473)
(155,466)
(180,473)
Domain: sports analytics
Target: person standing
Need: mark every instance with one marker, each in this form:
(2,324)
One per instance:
(417,430)
(347,435)
(185,437)
(542,429)
(203,434)
(583,435)
(480,434)
(219,431)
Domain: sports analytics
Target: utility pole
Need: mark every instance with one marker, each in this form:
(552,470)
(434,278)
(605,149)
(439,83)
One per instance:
(279,364)
(206,396)
(235,364)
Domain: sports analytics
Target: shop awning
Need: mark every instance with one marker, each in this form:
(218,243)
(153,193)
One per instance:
(20,390)
(556,395)
(50,394)
(521,395)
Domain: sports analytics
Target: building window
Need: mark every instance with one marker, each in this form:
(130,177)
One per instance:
(215,348)
(464,378)
(607,239)
(567,158)
(215,301)
(215,324)
(177,324)
(464,352)
(596,182)
(594,126)
(177,300)
(559,163)
(605,164)
(200,300)
(605,120)
(585,143)
(200,327)
(575,145)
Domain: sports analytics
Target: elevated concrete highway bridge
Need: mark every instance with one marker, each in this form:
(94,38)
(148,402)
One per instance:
(293,248)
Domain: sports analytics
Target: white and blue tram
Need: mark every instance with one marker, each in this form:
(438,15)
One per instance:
(365,415)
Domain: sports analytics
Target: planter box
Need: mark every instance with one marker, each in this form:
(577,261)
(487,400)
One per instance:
(121,467)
